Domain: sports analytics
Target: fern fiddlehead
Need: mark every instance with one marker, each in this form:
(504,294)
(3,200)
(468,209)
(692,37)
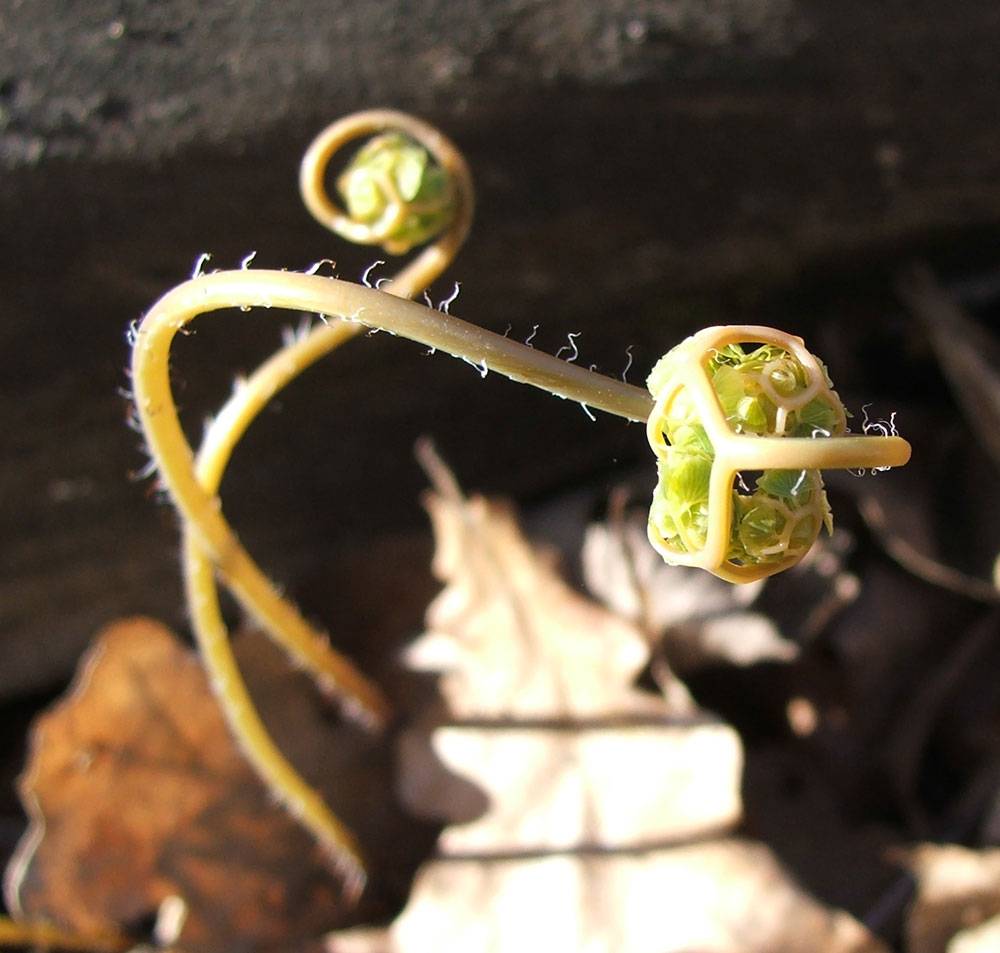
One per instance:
(721,409)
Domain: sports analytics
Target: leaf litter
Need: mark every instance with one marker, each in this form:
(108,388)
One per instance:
(136,795)
(604,811)
(582,812)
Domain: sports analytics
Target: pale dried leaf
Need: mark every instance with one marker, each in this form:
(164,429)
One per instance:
(984,938)
(577,800)
(610,785)
(572,753)
(957,888)
(744,638)
(623,570)
(704,619)
(511,639)
(713,897)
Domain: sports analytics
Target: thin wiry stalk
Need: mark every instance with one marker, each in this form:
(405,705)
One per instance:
(213,548)
(210,547)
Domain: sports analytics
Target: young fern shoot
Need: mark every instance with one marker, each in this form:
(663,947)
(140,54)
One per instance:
(720,410)
(712,416)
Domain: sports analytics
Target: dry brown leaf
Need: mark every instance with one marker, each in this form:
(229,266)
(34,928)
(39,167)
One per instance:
(957,889)
(136,793)
(577,800)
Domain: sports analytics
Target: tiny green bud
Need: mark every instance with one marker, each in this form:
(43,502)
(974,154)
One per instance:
(781,517)
(722,408)
(395,187)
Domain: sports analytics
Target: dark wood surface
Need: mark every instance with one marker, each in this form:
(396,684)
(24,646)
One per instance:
(643,169)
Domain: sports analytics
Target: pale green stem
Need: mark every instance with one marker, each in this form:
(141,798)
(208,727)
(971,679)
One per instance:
(209,541)
(279,618)
(748,452)
(307,647)
(374,309)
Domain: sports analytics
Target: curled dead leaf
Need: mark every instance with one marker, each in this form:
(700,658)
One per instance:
(542,710)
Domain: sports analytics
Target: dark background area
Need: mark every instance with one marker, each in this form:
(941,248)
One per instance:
(643,169)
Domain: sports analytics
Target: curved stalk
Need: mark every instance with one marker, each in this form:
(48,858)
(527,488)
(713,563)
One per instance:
(210,546)
(332,297)
(279,618)
(307,647)
(209,542)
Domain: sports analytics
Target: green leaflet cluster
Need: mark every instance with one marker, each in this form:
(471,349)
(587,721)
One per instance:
(393,178)
(765,392)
